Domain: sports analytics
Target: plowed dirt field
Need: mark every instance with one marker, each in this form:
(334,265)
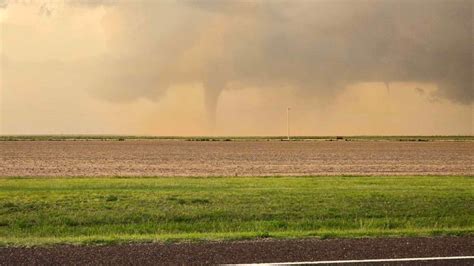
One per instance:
(234,158)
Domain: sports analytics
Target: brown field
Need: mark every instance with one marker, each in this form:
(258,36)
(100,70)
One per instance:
(235,158)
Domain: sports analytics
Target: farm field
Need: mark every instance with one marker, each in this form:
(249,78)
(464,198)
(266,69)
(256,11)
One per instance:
(234,158)
(39,211)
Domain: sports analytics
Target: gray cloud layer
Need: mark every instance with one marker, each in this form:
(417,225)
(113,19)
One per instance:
(317,47)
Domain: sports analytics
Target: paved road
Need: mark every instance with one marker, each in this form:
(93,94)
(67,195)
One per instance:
(263,251)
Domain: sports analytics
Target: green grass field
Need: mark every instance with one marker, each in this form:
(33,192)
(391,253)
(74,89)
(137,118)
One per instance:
(42,211)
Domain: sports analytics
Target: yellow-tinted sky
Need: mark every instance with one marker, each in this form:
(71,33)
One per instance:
(232,68)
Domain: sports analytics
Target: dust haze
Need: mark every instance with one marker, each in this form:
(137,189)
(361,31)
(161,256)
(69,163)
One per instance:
(232,67)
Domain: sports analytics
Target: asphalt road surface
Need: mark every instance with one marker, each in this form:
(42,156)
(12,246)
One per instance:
(242,252)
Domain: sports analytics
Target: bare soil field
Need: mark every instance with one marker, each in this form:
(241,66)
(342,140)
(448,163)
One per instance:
(234,158)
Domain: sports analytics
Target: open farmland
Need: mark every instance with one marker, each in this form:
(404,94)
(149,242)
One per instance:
(234,158)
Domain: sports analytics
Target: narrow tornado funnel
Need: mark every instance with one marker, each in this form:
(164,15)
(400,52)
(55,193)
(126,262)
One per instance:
(211,100)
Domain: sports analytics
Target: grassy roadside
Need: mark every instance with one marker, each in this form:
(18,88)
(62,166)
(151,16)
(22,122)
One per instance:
(37,211)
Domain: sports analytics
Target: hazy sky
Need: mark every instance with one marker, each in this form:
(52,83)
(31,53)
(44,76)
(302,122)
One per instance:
(346,67)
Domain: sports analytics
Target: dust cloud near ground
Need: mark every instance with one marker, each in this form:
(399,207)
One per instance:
(247,158)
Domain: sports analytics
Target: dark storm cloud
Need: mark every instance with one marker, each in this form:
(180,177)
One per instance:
(316,47)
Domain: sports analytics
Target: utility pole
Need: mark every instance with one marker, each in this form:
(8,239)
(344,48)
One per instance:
(288,122)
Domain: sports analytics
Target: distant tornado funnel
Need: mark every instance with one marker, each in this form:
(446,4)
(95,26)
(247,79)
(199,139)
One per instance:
(211,100)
